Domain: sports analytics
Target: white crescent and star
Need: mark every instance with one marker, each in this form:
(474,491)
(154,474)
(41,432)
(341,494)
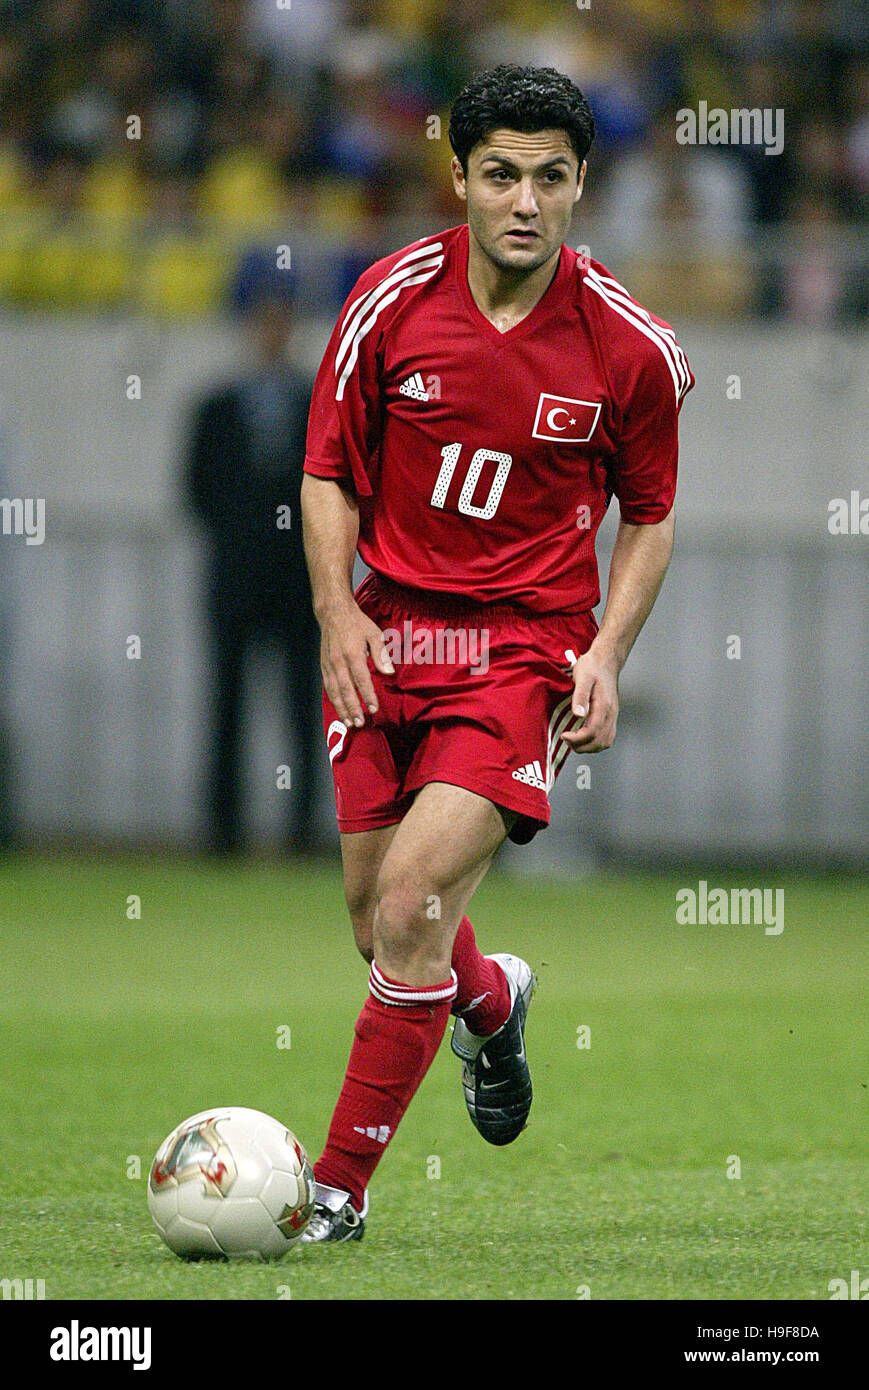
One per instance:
(559,410)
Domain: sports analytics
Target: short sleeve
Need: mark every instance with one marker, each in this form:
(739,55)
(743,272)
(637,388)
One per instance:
(344,422)
(645,466)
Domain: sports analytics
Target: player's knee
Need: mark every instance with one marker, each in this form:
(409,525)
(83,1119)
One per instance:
(397,906)
(403,929)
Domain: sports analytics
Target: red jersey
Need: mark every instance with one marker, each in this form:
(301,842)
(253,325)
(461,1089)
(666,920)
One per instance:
(483,462)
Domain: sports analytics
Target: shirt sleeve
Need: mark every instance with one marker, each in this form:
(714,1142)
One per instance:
(343,439)
(644,469)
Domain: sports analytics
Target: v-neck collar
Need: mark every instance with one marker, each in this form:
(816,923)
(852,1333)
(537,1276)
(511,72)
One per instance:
(548,301)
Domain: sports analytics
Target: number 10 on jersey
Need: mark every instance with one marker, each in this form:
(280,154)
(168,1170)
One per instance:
(450,455)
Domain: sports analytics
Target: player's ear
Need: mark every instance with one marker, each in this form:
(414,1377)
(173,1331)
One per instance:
(458,174)
(579,181)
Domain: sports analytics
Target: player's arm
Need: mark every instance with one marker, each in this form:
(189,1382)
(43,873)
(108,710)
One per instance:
(330,522)
(640,558)
(343,438)
(653,379)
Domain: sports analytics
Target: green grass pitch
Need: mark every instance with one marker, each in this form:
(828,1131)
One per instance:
(708,1045)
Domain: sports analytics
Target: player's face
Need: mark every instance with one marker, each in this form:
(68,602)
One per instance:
(520,190)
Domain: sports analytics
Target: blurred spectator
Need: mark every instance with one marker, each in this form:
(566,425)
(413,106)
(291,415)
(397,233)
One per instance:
(770,177)
(676,219)
(62,37)
(701,188)
(297,39)
(811,285)
(810,281)
(857,140)
(242,481)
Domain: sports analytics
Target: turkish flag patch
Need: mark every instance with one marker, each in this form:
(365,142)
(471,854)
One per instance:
(565,420)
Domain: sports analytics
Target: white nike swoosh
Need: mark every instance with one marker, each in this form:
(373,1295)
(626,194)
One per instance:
(474,1002)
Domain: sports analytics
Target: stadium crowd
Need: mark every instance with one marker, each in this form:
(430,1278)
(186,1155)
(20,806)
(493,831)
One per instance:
(144,143)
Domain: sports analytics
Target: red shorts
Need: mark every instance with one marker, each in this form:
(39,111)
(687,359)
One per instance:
(479,697)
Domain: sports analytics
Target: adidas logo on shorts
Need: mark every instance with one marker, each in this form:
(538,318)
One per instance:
(531,774)
(414,387)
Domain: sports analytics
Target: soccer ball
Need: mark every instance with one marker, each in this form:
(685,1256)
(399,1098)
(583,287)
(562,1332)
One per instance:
(231,1182)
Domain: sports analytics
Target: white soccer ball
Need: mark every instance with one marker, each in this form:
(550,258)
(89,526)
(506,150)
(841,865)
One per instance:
(231,1182)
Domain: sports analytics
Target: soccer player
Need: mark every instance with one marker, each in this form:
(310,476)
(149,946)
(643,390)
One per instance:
(483,395)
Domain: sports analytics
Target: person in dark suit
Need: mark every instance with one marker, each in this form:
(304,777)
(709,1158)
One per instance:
(242,481)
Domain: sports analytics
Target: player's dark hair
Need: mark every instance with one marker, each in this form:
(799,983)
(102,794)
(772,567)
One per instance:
(511,97)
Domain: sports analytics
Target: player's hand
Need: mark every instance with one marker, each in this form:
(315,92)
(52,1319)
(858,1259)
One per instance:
(596,699)
(348,637)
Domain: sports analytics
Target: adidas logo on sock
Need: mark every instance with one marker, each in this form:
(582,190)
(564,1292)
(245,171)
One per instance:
(531,774)
(414,387)
(378,1132)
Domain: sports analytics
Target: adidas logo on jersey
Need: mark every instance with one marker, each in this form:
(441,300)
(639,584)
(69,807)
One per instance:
(531,774)
(414,387)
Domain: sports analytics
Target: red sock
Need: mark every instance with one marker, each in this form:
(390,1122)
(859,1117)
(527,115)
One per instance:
(483,995)
(397,1035)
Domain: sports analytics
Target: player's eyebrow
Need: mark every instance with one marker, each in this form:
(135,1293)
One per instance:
(508,163)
